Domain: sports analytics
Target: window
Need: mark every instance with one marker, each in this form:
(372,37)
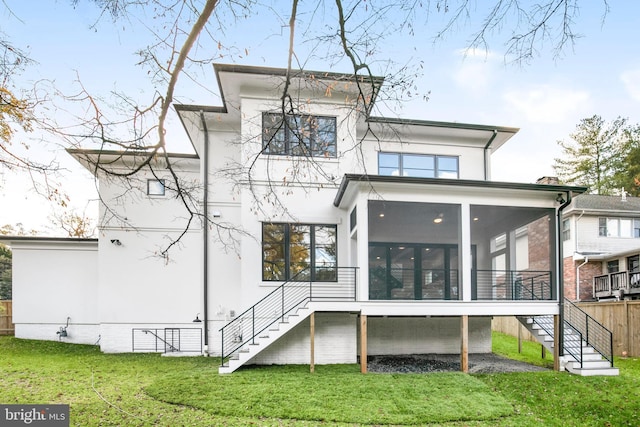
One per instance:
(619,227)
(633,263)
(417,165)
(566,229)
(155,187)
(353,219)
(299,135)
(300,251)
(613,266)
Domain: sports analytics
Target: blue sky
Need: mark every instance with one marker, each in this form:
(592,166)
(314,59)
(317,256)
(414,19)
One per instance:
(545,98)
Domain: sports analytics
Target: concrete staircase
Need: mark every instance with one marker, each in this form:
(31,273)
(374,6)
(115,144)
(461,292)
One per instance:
(541,327)
(264,340)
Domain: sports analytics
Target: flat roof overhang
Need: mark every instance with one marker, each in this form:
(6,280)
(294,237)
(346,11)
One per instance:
(42,242)
(351,182)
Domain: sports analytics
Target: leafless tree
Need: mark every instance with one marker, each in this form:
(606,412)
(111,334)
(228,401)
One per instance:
(191,34)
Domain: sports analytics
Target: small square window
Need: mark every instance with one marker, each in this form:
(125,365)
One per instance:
(155,187)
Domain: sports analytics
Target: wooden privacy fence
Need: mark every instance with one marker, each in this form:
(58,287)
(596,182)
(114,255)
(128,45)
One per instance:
(6,325)
(622,318)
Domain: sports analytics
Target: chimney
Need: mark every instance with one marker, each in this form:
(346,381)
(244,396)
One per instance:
(551,180)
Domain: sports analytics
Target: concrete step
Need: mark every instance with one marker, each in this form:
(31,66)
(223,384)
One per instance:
(590,371)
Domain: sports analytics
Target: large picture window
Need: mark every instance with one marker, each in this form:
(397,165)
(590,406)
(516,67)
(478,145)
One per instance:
(417,165)
(298,251)
(299,135)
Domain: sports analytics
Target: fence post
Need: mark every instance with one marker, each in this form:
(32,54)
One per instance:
(587,326)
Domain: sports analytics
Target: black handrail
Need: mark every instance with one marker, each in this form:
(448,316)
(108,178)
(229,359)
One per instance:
(593,332)
(284,301)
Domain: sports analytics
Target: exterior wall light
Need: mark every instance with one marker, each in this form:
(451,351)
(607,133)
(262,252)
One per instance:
(116,242)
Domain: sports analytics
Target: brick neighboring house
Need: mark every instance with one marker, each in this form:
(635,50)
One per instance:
(601,247)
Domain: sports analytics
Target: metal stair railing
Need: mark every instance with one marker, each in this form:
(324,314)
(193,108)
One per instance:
(593,332)
(284,301)
(167,340)
(572,342)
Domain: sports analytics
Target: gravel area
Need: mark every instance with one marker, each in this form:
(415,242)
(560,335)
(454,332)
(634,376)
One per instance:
(424,363)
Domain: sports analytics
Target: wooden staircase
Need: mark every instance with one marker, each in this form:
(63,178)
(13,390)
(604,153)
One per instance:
(580,357)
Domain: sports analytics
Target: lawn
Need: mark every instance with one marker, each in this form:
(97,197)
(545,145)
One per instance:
(147,389)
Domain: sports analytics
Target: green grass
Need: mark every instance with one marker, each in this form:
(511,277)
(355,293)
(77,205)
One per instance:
(506,345)
(337,394)
(146,389)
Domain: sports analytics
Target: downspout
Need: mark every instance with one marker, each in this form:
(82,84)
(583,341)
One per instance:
(561,271)
(205,233)
(575,241)
(586,260)
(575,250)
(486,157)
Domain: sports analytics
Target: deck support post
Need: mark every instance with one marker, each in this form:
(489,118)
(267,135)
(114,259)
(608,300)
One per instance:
(464,343)
(557,331)
(312,342)
(363,343)
(519,337)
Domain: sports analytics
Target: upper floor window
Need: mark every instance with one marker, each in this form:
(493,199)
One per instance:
(619,227)
(299,135)
(155,187)
(299,252)
(417,165)
(566,229)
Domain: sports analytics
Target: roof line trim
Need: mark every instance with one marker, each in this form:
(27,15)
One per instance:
(88,151)
(450,125)
(451,182)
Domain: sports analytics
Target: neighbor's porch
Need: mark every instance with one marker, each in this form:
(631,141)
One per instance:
(617,285)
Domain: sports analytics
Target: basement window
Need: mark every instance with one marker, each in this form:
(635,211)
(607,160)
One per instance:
(155,187)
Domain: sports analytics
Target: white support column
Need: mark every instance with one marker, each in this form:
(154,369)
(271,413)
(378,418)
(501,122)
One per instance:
(363,248)
(511,251)
(465,250)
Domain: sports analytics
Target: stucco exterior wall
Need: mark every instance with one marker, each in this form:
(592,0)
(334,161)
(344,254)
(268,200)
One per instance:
(53,281)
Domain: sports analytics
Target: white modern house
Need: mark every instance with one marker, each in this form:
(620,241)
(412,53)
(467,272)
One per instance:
(601,239)
(330,238)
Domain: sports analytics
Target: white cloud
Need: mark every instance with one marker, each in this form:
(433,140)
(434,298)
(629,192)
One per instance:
(475,72)
(631,80)
(546,103)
